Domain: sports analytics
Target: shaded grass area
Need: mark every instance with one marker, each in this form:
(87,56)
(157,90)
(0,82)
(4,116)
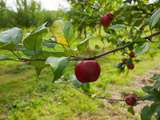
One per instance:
(23,97)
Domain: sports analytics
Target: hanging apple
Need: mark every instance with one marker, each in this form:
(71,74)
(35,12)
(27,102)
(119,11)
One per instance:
(107,19)
(131,99)
(87,71)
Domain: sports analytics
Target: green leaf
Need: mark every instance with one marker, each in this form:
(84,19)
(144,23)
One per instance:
(74,81)
(9,46)
(58,26)
(156,77)
(153,93)
(49,43)
(157,88)
(155,18)
(28,52)
(68,31)
(156,106)
(34,40)
(118,26)
(83,44)
(58,65)
(4,58)
(10,39)
(39,59)
(45,54)
(85,87)
(139,40)
(131,110)
(146,113)
(38,64)
(147,89)
(143,48)
(149,98)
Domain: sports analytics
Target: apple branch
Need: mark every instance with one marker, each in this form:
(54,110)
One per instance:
(152,35)
(103,54)
(73,58)
(113,100)
(117,49)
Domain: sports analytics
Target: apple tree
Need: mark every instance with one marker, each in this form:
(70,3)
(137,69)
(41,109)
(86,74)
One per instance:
(130,27)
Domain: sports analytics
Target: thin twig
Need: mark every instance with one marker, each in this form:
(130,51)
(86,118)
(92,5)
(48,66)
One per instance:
(116,100)
(152,35)
(110,99)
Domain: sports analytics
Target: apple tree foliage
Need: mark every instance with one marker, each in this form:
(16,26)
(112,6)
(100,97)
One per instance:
(135,26)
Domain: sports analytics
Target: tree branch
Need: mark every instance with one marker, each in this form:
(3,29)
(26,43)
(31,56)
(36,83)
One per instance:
(114,100)
(117,49)
(152,35)
(94,57)
(103,54)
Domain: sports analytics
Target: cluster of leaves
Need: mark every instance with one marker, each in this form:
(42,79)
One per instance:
(32,49)
(153,95)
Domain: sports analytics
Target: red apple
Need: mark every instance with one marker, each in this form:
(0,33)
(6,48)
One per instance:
(132,54)
(131,99)
(130,66)
(87,71)
(107,19)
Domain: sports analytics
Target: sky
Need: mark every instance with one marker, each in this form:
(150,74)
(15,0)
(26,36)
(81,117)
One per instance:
(46,4)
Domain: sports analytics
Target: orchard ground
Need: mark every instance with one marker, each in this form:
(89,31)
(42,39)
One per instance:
(24,97)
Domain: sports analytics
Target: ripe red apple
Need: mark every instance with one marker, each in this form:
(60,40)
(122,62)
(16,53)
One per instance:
(106,19)
(131,99)
(130,66)
(87,71)
(132,54)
